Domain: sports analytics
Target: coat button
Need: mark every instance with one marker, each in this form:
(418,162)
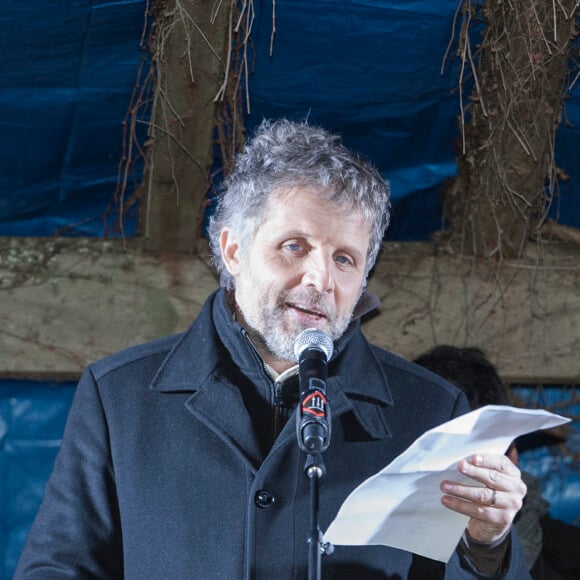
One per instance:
(264,499)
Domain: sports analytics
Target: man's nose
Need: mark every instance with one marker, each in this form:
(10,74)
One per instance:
(319,272)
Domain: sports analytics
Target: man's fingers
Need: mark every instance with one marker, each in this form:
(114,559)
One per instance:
(495,472)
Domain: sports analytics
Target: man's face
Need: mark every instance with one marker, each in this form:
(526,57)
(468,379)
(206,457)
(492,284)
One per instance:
(304,268)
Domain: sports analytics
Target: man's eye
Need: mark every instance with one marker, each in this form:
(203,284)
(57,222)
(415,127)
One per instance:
(293,246)
(344,260)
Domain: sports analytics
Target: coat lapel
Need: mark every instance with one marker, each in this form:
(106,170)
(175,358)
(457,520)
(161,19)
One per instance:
(359,384)
(195,364)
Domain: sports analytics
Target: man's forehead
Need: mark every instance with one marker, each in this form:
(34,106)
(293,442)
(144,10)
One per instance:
(323,196)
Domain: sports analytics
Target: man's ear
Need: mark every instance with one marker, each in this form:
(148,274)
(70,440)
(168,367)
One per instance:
(230,251)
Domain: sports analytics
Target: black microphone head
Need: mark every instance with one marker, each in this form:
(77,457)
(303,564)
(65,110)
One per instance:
(313,338)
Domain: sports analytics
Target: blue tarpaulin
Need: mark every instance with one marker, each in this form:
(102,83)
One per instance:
(66,75)
(32,417)
(376,72)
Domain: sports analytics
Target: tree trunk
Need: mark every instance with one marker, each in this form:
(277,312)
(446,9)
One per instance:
(507,174)
(189,55)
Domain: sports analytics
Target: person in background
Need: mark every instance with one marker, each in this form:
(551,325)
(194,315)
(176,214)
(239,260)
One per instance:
(552,547)
(180,457)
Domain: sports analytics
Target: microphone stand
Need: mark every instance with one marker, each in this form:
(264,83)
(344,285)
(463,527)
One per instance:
(315,471)
(313,428)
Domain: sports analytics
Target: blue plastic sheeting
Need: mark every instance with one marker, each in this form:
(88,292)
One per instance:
(32,417)
(370,70)
(566,207)
(375,72)
(66,76)
(555,464)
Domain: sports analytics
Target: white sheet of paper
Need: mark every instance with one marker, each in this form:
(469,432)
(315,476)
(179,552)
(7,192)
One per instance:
(401,505)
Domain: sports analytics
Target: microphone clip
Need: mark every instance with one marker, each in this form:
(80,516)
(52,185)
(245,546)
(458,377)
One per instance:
(313,421)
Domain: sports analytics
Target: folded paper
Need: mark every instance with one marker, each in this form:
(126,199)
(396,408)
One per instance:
(401,505)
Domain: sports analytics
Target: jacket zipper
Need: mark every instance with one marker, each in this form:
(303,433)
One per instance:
(278,409)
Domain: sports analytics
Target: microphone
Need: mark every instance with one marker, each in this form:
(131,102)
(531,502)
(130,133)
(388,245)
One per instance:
(313,349)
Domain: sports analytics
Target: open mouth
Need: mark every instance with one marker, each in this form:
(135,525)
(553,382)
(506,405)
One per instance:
(317,314)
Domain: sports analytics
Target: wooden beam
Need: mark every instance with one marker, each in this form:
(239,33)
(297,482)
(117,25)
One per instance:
(67,302)
(524,314)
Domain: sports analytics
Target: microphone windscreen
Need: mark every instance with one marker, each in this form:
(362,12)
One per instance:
(313,338)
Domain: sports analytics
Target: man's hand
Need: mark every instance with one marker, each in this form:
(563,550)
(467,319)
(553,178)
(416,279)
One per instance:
(493,507)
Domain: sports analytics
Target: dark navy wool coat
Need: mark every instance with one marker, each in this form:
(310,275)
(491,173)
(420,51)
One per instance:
(161,474)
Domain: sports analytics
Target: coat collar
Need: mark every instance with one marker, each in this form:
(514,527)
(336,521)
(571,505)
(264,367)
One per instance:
(357,381)
(193,358)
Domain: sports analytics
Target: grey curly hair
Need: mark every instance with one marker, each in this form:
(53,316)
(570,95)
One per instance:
(284,154)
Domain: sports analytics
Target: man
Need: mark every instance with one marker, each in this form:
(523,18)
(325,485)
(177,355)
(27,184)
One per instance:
(180,457)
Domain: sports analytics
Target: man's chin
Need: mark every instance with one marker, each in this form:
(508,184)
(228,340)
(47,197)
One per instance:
(282,345)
